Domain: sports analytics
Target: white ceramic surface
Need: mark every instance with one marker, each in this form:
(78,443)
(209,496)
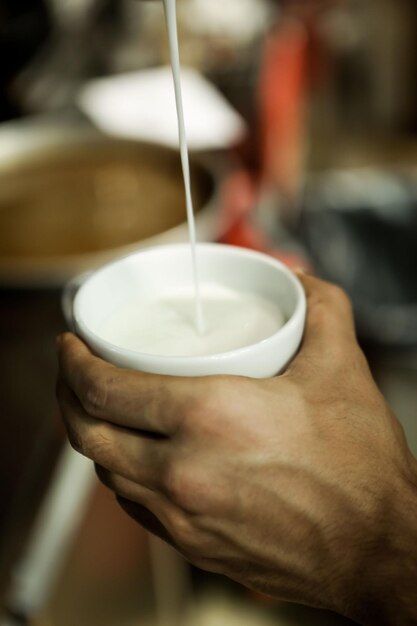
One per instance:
(141,105)
(155,269)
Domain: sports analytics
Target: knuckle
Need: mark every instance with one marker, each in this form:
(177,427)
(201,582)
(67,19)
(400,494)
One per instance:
(99,446)
(172,480)
(195,490)
(208,400)
(195,542)
(94,397)
(339,295)
(185,534)
(178,485)
(94,443)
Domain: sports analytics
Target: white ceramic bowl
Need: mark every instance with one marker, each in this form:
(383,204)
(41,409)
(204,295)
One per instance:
(162,267)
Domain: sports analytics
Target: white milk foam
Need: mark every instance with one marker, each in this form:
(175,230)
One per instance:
(164,324)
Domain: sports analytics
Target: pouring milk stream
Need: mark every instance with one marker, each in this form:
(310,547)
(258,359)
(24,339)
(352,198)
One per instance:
(171,21)
(224,319)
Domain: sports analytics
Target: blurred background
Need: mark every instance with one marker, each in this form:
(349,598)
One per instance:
(302,122)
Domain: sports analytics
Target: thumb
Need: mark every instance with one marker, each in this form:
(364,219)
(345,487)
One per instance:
(330,330)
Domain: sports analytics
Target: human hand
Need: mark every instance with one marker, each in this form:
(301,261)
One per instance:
(300,486)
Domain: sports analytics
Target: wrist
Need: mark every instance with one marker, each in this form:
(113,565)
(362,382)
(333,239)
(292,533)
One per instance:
(387,583)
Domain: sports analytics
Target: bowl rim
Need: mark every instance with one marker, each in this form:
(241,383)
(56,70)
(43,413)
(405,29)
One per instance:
(296,320)
(35,139)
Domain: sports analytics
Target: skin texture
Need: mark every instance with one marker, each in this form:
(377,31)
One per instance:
(300,486)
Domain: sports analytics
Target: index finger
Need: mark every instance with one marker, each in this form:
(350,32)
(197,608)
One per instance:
(330,329)
(328,306)
(124,397)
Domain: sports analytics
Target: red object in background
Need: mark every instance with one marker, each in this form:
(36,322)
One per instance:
(283,92)
(239,197)
(282,99)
